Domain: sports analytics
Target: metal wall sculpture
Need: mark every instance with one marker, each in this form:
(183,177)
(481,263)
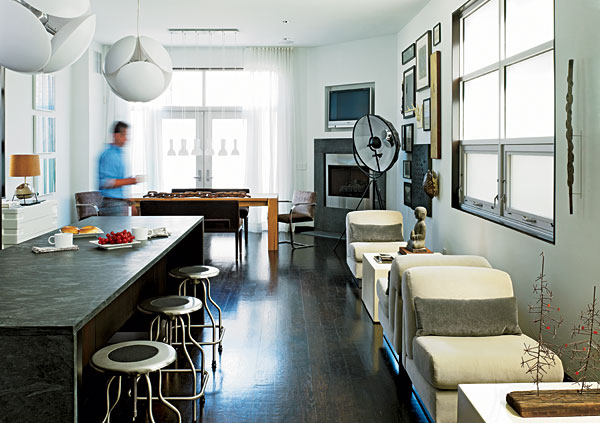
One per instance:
(570,155)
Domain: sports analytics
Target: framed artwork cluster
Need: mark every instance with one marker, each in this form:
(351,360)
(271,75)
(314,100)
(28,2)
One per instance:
(44,131)
(421,72)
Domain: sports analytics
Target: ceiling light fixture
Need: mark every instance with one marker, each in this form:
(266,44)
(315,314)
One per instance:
(44,36)
(138,68)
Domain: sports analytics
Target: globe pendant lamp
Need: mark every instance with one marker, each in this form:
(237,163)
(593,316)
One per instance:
(44,35)
(138,68)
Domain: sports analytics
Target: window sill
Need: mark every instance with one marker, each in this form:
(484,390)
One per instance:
(521,227)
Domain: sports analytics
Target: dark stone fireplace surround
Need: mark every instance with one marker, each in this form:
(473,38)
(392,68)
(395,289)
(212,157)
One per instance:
(329,219)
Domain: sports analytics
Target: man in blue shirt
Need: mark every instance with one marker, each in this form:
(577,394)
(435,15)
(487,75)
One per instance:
(112,174)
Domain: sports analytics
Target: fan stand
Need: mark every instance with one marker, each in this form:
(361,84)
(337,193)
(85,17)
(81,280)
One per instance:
(377,199)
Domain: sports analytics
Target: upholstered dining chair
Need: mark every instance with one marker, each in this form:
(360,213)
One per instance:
(303,210)
(88,204)
(244,211)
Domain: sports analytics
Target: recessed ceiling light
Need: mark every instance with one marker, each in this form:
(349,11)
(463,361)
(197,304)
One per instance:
(285,21)
(286,40)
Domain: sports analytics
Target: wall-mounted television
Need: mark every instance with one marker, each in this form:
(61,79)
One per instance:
(348,103)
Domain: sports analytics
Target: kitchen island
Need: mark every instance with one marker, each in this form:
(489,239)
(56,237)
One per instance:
(57,309)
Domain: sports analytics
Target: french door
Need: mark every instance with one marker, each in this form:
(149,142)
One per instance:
(203,148)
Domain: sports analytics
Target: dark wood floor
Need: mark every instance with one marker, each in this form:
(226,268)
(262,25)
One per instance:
(299,345)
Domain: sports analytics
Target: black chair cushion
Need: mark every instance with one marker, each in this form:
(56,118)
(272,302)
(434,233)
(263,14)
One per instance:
(296,218)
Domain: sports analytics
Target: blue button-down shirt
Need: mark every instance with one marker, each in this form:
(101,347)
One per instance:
(111,166)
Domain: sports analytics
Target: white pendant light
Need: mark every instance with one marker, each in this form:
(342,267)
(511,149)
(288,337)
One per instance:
(197,151)
(223,151)
(235,151)
(210,151)
(183,151)
(138,68)
(44,35)
(171,151)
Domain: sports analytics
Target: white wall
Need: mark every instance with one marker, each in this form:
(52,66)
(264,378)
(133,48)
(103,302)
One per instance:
(370,60)
(19,133)
(571,262)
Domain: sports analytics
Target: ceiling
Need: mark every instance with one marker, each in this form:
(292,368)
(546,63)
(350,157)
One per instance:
(260,22)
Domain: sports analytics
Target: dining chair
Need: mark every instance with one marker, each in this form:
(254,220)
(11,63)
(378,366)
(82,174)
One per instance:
(303,210)
(88,204)
(220,216)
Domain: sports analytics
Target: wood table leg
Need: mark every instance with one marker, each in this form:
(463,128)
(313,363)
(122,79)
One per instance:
(273,224)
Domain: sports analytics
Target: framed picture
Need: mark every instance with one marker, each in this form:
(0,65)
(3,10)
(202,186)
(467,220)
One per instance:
(46,182)
(408,194)
(407,137)
(406,169)
(44,134)
(437,34)
(436,102)
(408,54)
(427,114)
(423,53)
(44,92)
(408,93)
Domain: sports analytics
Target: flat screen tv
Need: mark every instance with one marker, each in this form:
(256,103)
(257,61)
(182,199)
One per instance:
(346,106)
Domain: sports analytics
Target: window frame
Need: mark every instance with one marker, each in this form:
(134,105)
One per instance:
(498,211)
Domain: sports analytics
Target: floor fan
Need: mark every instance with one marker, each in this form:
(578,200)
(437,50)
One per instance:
(375,146)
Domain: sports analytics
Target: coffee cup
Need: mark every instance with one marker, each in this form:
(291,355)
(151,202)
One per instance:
(61,240)
(140,234)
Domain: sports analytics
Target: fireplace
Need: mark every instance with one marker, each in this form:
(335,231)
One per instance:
(345,183)
(336,197)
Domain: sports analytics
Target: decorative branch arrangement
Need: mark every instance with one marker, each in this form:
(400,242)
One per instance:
(570,155)
(586,353)
(538,358)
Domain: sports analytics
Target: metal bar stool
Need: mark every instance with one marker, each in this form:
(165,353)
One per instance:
(197,275)
(135,359)
(171,309)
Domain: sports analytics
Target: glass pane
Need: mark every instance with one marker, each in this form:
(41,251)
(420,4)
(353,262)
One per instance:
(531,184)
(529,23)
(481,39)
(185,89)
(228,163)
(530,97)
(481,176)
(481,107)
(224,88)
(178,171)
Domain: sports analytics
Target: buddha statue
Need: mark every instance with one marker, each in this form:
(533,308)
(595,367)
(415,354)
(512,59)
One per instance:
(416,244)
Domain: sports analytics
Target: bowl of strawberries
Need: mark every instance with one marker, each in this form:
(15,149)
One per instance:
(113,240)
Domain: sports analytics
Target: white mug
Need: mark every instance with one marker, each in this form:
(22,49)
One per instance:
(61,240)
(139,234)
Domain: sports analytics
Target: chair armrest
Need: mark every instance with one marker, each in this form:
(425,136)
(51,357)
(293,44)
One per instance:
(301,204)
(284,201)
(89,205)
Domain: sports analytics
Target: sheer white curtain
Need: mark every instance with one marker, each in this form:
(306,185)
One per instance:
(268,108)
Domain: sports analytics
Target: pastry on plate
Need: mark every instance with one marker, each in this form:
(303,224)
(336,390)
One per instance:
(90,230)
(69,229)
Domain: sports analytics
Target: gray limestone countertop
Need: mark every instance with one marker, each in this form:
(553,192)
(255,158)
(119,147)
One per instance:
(66,289)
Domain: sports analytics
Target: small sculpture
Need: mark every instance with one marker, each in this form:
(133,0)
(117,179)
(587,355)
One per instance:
(416,244)
(430,184)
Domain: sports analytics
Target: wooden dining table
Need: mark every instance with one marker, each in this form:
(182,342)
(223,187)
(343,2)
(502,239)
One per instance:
(255,200)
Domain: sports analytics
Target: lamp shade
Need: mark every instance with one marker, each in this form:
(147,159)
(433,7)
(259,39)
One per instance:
(70,42)
(24,165)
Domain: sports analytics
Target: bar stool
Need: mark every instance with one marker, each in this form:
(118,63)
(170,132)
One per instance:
(197,275)
(172,308)
(135,359)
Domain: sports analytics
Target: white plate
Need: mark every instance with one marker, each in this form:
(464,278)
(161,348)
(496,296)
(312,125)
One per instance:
(114,246)
(88,235)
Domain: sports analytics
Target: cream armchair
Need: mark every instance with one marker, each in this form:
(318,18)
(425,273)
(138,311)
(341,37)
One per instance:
(437,363)
(371,231)
(390,301)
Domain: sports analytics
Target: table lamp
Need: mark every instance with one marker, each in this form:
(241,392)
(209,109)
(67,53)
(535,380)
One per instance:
(25,165)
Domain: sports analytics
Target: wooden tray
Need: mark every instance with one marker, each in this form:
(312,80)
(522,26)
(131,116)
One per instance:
(557,403)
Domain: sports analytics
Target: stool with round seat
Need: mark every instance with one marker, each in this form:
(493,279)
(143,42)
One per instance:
(200,275)
(135,359)
(171,309)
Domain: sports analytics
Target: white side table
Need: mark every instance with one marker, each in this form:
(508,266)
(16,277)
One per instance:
(23,223)
(371,272)
(483,403)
